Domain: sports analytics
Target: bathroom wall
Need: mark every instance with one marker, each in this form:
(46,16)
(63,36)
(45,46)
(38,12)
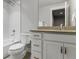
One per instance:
(44,12)
(5,21)
(14,23)
(29,15)
(11,20)
(72,4)
(20,17)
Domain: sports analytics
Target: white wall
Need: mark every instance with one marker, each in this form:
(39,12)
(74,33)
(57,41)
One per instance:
(72,4)
(5,21)
(29,15)
(14,23)
(44,12)
(11,15)
(22,18)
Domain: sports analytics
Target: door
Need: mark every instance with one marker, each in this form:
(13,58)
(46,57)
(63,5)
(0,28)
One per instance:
(70,51)
(52,50)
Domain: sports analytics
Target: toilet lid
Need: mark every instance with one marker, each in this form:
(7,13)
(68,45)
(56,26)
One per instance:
(16,46)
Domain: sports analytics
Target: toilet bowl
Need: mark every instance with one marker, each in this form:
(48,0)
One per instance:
(18,50)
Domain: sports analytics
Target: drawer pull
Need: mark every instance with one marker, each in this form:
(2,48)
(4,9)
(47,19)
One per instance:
(36,45)
(36,35)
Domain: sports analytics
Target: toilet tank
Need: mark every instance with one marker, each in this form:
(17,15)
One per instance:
(25,38)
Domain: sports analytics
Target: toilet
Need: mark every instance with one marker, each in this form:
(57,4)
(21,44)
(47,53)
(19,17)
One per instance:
(18,50)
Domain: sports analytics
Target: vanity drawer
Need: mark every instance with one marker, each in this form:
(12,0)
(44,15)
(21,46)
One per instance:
(36,45)
(35,55)
(60,37)
(36,36)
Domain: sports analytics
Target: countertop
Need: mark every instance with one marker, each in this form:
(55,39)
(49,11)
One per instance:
(56,29)
(51,30)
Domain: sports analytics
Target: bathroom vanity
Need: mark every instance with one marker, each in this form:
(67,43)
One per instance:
(53,44)
(55,37)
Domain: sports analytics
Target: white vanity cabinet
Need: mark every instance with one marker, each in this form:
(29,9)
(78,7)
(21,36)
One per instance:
(53,46)
(59,46)
(54,50)
(36,46)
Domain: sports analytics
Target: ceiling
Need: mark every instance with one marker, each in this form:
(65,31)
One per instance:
(49,2)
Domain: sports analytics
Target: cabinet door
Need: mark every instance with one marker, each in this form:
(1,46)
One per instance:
(70,51)
(52,50)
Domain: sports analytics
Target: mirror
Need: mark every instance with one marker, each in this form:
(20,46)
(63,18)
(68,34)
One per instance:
(57,12)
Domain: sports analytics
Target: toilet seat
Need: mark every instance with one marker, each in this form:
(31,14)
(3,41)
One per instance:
(16,47)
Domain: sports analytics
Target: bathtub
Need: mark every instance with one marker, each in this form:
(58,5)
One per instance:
(6,44)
